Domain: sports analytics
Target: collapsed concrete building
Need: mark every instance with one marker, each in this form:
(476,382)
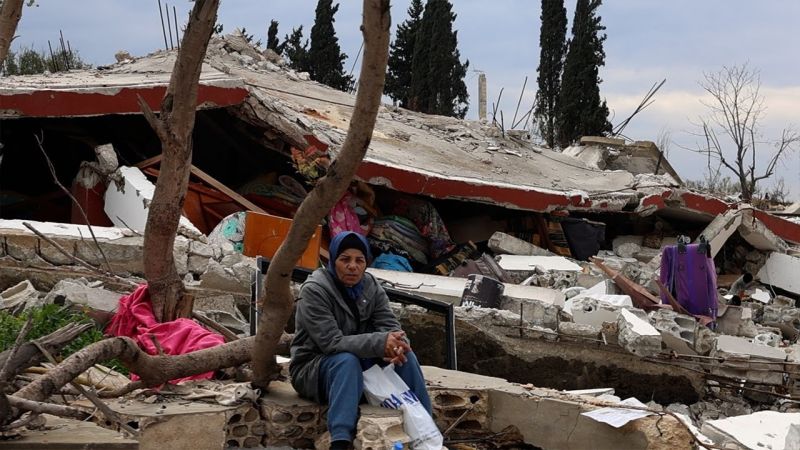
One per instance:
(555,324)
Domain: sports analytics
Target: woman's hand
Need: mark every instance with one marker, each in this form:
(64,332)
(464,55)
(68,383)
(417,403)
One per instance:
(396,347)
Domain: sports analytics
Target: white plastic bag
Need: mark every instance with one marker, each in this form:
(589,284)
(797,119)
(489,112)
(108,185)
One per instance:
(384,387)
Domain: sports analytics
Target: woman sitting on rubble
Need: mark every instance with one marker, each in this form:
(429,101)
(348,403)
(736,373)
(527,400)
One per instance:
(343,325)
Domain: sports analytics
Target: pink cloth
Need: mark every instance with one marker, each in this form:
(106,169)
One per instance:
(135,319)
(344,218)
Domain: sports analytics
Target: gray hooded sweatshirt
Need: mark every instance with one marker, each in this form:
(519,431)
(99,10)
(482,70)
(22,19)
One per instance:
(324,325)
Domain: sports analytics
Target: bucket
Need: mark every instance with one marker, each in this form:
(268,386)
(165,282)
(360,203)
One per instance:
(482,291)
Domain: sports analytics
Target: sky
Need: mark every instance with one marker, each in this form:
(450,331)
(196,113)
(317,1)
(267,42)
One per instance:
(647,41)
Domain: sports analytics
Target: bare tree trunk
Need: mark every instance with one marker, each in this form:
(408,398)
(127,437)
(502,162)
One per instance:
(10,13)
(278,301)
(174,129)
(153,370)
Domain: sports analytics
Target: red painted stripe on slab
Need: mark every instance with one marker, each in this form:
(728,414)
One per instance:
(785,229)
(73,103)
(416,183)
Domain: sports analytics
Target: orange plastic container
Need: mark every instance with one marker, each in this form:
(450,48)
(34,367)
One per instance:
(264,233)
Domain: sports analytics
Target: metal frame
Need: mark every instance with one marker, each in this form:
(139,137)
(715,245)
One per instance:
(299,275)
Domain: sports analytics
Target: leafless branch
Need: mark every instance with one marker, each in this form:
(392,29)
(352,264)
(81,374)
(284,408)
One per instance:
(40,142)
(80,261)
(107,412)
(47,408)
(735,110)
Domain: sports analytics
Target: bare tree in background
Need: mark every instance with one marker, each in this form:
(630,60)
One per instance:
(278,302)
(731,129)
(664,141)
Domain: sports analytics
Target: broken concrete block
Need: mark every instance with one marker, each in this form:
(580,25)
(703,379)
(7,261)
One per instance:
(504,244)
(591,311)
(180,252)
(721,229)
(19,297)
(678,331)
(167,425)
(107,156)
(627,246)
(290,420)
(768,339)
(523,263)
(379,428)
(533,311)
(763,429)
(580,330)
(198,256)
(733,345)
(128,202)
(781,271)
(646,255)
(637,335)
(592,155)
(758,235)
(100,302)
(704,340)
(224,278)
(736,321)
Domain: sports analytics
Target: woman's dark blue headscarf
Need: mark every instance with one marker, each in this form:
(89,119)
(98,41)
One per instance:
(340,243)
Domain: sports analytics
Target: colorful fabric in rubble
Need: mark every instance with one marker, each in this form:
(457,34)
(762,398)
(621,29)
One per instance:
(390,261)
(343,217)
(689,273)
(399,235)
(429,223)
(135,319)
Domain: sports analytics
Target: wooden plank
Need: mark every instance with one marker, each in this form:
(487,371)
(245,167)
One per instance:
(149,162)
(208,179)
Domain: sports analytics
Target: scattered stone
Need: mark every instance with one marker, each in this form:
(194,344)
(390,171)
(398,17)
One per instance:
(627,246)
(122,56)
(501,244)
(20,297)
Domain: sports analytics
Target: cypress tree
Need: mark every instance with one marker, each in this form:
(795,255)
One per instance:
(272,37)
(401,54)
(325,59)
(437,74)
(552,43)
(580,111)
(296,51)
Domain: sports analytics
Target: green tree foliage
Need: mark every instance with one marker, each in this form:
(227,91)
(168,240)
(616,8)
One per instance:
(325,58)
(249,38)
(272,37)
(580,111)
(401,55)
(29,61)
(552,43)
(295,50)
(437,74)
